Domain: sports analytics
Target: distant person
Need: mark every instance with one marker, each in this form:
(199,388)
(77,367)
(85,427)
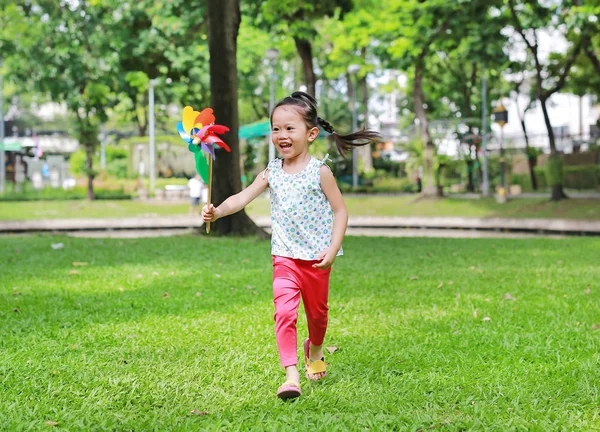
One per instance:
(196,187)
(309,219)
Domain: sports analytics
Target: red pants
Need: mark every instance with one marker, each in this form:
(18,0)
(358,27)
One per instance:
(291,279)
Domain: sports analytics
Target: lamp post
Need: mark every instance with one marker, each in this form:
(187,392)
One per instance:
(152,172)
(485,185)
(272,54)
(352,70)
(501,118)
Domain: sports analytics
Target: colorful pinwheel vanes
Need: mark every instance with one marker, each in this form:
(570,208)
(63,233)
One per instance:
(197,129)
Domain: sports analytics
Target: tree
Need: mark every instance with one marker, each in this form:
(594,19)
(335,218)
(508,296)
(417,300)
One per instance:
(299,16)
(153,38)
(349,41)
(455,93)
(69,42)
(419,30)
(528,19)
(223,26)
(530,153)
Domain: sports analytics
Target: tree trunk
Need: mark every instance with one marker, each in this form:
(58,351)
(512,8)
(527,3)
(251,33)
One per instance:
(224,22)
(89,164)
(530,159)
(429,187)
(305,51)
(557,188)
(589,51)
(470,182)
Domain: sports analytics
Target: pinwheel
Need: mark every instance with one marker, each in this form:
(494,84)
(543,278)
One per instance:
(199,132)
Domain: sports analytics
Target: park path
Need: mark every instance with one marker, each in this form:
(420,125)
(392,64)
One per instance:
(383,226)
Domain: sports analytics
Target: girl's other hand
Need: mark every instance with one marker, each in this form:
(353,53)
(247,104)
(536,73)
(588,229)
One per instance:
(327,258)
(209,213)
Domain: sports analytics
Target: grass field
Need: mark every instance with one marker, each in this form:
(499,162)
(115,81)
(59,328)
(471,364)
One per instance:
(357,206)
(177,334)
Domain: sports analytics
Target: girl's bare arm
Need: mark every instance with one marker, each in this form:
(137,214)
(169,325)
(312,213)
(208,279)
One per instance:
(236,202)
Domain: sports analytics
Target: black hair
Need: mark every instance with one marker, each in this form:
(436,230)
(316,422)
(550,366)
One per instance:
(307,105)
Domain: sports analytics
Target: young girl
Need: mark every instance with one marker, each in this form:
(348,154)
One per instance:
(308,221)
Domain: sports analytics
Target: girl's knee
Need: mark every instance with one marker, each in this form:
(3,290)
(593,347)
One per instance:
(286,316)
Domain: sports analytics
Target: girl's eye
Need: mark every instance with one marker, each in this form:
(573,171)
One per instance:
(275,130)
(290,128)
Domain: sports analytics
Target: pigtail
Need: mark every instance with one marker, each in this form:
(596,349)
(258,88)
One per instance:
(347,142)
(307,105)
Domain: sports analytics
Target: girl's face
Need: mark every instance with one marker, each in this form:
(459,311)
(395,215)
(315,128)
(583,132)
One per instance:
(291,136)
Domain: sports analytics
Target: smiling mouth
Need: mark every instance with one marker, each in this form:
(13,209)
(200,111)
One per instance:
(285,146)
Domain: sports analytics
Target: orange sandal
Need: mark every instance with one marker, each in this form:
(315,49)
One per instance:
(313,366)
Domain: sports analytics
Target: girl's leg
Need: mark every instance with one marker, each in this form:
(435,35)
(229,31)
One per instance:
(286,295)
(315,294)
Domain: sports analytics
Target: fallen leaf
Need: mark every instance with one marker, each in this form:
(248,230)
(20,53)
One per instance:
(587,290)
(73,272)
(596,326)
(172,274)
(16,310)
(154,273)
(121,289)
(429,254)
(472,268)
(217,275)
(487,300)
(74,347)
(249,287)
(17,250)
(52,423)
(245,260)
(166,295)
(140,276)
(441,284)
(475,314)
(450,282)
(57,246)
(414,277)
(198,294)
(486,319)
(507,296)
(79,264)
(559,262)
(199,413)
(332,349)
(16,293)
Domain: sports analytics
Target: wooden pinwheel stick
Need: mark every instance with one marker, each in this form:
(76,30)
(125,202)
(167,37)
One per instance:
(210,164)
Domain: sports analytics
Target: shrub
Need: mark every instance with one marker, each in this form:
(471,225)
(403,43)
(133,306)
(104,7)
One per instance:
(77,163)
(78,193)
(582,177)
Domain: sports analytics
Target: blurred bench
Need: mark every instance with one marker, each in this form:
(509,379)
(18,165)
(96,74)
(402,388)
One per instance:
(172,192)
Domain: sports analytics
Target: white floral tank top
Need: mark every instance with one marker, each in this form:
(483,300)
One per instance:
(301,216)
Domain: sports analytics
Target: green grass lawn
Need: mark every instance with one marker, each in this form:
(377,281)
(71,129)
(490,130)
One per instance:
(432,334)
(357,206)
